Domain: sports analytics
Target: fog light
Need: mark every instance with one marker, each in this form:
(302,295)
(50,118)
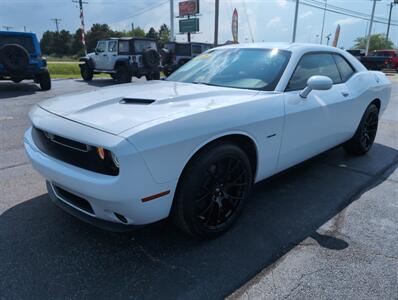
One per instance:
(101,152)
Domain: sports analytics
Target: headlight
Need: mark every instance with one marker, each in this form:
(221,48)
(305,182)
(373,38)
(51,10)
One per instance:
(115,160)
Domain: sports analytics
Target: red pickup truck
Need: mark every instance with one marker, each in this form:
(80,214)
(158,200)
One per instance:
(381,59)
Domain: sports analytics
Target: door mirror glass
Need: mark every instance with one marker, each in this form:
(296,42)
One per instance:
(317,83)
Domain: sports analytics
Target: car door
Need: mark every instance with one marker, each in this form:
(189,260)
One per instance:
(100,55)
(316,123)
(111,55)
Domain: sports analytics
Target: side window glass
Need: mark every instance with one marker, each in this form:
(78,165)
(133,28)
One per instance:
(124,47)
(196,49)
(101,46)
(344,67)
(313,64)
(112,46)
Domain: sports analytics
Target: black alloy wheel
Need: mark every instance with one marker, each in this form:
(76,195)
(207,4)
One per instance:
(365,135)
(213,191)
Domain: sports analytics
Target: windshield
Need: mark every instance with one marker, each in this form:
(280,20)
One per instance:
(236,68)
(24,41)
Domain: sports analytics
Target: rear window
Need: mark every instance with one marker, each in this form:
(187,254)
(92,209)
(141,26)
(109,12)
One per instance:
(24,41)
(183,49)
(141,45)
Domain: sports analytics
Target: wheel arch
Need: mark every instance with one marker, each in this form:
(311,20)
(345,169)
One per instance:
(243,140)
(376,102)
(121,62)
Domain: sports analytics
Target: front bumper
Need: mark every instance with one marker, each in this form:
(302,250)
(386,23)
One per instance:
(108,196)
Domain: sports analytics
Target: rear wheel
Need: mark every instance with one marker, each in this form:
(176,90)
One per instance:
(45,81)
(212,191)
(122,74)
(86,72)
(365,135)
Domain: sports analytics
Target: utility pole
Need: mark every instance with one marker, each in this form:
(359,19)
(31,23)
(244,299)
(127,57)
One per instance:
(217,7)
(323,21)
(295,21)
(389,19)
(24,28)
(370,27)
(83,38)
(8,27)
(56,21)
(172,20)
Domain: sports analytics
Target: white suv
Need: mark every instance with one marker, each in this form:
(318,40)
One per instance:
(122,58)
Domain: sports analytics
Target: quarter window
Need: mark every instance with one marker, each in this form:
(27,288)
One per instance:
(314,64)
(344,67)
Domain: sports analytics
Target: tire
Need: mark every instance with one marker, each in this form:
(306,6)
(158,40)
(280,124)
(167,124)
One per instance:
(365,135)
(151,58)
(14,57)
(122,74)
(212,191)
(45,81)
(86,72)
(16,79)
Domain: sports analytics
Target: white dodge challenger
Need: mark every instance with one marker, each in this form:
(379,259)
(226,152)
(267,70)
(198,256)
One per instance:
(191,146)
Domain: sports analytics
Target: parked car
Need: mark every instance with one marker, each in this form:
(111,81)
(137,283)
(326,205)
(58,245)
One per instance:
(381,59)
(191,146)
(20,58)
(177,54)
(357,53)
(123,58)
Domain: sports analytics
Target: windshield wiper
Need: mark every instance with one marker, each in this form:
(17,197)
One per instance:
(204,83)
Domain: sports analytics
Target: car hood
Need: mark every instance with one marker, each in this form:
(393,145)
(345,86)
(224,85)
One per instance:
(122,107)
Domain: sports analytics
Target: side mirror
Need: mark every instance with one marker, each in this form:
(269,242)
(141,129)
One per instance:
(317,83)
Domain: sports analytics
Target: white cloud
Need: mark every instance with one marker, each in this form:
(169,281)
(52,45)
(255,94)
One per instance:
(347,21)
(273,22)
(306,14)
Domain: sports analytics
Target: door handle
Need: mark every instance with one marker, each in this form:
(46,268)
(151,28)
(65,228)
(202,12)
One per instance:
(345,94)
(104,54)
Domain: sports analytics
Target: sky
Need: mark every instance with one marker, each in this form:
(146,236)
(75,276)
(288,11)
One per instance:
(259,20)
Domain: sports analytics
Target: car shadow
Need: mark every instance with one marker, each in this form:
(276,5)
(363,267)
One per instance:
(9,89)
(45,253)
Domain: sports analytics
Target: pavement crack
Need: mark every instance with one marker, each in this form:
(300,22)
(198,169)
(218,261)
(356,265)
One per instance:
(14,166)
(299,283)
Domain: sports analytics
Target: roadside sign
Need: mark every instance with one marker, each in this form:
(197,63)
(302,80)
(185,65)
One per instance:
(190,7)
(189,25)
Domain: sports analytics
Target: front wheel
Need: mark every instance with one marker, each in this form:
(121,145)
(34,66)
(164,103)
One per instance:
(86,72)
(212,191)
(45,81)
(365,135)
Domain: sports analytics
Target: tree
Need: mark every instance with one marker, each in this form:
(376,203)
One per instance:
(153,34)
(97,32)
(77,47)
(46,42)
(377,42)
(164,34)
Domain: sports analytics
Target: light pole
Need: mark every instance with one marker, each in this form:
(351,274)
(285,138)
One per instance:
(370,27)
(389,18)
(323,21)
(295,21)
(172,19)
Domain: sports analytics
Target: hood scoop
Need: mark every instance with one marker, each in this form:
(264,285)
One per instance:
(136,101)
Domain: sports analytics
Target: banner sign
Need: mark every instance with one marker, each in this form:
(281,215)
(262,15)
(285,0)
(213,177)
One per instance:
(235,26)
(189,25)
(187,8)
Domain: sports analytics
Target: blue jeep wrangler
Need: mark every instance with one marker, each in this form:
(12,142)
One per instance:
(20,58)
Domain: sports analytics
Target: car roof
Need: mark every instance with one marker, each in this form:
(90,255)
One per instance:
(283,46)
(16,33)
(129,38)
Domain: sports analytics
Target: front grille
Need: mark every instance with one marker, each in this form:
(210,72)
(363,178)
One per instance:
(73,199)
(73,152)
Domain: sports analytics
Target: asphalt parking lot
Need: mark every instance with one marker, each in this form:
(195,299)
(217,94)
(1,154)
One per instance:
(327,228)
